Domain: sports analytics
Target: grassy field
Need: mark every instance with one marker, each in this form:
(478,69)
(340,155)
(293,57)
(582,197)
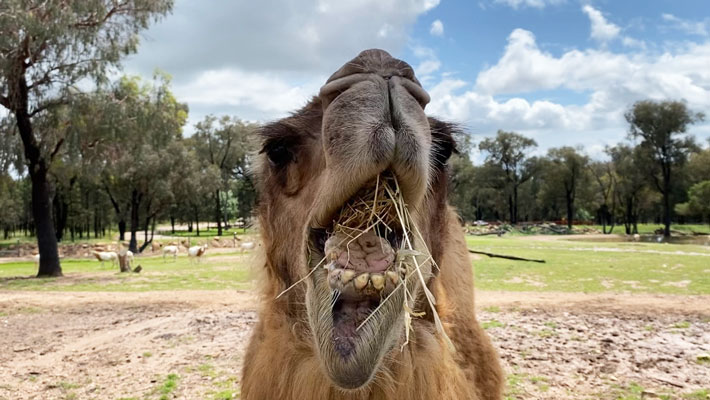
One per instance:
(647,229)
(218,271)
(571,266)
(577,266)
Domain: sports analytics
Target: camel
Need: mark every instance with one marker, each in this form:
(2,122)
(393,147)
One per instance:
(357,327)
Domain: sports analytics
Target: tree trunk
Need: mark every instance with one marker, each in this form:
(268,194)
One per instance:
(667,213)
(41,202)
(135,208)
(42,212)
(515,205)
(61,211)
(121,230)
(570,210)
(218,212)
(197,219)
(172,224)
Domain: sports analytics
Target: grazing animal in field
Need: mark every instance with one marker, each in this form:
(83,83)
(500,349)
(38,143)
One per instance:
(363,328)
(155,246)
(104,256)
(196,252)
(36,260)
(170,250)
(244,246)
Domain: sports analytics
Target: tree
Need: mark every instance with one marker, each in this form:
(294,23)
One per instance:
(698,201)
(630,183)
(46,48)
(509,152)
(605,176)
(139,144)
(568,167)
(661,125)
(223,144)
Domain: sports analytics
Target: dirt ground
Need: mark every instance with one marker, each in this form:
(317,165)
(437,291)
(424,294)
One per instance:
(554,345)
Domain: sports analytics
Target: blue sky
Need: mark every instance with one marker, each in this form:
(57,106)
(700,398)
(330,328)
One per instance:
(560,71)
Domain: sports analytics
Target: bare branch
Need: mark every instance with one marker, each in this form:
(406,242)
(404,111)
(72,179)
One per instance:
(56,149)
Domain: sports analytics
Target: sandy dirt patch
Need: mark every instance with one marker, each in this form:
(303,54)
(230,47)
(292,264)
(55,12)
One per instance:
(97,345)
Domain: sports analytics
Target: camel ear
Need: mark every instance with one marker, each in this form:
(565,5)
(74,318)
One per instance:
(443,139)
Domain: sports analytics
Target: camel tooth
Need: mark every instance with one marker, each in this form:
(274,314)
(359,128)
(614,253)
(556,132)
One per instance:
(361,281)
(334,276)
(393,277)
(347,276)
(378,281)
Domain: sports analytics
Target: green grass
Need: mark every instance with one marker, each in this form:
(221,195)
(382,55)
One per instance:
(702,394)
(571,266)
(23,239)
(578,266)
(492,324)
(649,229)
(212,273)
(209,233)
(168,386)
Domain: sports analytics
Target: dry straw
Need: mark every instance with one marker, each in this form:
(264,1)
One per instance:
(382,209)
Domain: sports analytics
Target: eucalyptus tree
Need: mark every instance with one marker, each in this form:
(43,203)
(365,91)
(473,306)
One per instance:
(224,143)
(567,169)
(46,48)
(662,126)
(509,152)
(141,134)
(605,176)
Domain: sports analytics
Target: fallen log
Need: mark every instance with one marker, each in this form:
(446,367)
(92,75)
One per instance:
(506,257)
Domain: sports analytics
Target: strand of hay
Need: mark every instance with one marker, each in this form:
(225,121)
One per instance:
(395,199)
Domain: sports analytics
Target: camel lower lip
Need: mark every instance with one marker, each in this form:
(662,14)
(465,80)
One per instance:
(347,317)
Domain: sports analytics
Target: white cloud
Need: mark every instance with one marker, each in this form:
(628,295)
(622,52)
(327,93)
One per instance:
(428,63)
(610,82)
(602,30)
(529,3)
(317,36)
(259,60)
(699,28)
(633,43)
(437,28)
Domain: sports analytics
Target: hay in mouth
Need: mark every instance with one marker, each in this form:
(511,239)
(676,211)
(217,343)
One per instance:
(368,254)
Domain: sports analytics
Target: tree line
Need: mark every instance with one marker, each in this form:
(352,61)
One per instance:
(126,164)
(659,174)
(75,162)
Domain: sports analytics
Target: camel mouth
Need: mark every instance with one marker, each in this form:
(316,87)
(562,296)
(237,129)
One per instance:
(357,274)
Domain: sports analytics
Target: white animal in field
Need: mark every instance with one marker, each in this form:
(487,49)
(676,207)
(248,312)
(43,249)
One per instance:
(172,250)
(244,246)
(129,258)
(36,259)
(196,252)
(104,256)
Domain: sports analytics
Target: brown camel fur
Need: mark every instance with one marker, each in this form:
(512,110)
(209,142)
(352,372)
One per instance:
(368,120)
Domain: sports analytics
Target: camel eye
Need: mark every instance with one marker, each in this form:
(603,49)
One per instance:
(279,155)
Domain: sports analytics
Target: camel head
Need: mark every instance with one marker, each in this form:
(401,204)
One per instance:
(366,129)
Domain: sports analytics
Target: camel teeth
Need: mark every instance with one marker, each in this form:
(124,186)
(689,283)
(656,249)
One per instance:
(347,276)
(378,281)
(393,277)
(334,275)
(361,281)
